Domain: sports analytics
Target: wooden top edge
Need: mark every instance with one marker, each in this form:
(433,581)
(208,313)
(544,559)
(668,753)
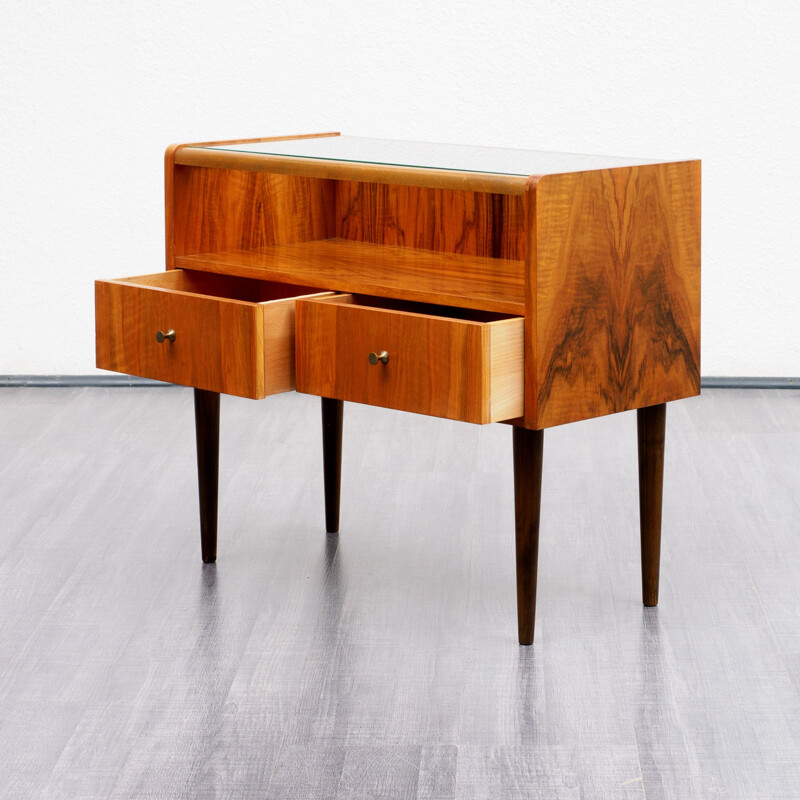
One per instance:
(173,148)
(534,180)
(206,154)
(354,171)
(257,139)
(195,156)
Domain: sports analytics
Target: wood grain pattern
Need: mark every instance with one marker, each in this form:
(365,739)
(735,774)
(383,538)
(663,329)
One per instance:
(232,335)
(605,263)
(437,365)
(491,284)
(215,210)
(466,222)
(171,167)
(506,349)
(130,671)
(351,171)
(257,139)
(614,291)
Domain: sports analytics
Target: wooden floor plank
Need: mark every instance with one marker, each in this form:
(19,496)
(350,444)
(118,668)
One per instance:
(382,661)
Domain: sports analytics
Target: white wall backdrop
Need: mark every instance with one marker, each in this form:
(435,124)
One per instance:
(92,92)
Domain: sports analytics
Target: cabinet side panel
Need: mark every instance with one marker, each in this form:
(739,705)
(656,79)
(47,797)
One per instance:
(530,378)
(444,220)
(215,210)
(107,326)
(617,265)
(169,204)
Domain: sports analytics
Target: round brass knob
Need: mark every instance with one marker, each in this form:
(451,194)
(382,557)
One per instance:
(383,357)
(160,335)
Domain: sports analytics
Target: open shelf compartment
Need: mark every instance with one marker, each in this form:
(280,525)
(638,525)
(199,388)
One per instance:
(456,247)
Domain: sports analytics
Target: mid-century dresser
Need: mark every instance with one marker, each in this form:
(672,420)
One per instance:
(476,284)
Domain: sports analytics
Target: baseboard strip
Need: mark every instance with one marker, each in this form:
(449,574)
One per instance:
(79,380)
(749,383)
(130,380)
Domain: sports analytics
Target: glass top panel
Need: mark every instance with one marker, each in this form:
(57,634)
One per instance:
(427,155)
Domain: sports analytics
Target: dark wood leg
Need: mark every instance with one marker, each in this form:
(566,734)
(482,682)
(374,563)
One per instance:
(528,448)
(332,459)
(651,425)
(206,422)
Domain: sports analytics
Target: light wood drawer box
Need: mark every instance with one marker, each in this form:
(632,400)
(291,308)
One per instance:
(447,362)
(232,335)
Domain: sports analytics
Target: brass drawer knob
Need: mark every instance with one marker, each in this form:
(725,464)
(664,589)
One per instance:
(160,335)
(383,357)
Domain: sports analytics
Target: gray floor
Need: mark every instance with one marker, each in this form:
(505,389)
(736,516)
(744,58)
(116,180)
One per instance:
(383,662)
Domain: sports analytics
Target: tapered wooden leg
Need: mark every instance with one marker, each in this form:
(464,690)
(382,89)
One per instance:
(651,425)
(332,411)
(206,422)
(528,448)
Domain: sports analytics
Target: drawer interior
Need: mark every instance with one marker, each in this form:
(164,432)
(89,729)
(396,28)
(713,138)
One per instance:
(412,307)
(230,334)
(224,287)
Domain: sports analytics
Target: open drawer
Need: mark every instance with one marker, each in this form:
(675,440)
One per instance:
(447,362)
(216,332)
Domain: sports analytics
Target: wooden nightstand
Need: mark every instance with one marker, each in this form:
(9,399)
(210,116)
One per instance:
(476,284)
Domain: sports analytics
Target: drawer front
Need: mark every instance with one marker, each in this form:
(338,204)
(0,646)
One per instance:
(464,369)
(221,343)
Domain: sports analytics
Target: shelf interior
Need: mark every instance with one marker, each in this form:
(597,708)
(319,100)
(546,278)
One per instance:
(451,279)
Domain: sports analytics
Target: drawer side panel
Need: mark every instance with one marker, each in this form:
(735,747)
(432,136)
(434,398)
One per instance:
(278,325)
(506,369)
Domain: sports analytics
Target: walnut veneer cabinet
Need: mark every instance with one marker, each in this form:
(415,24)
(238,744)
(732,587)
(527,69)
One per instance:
(477,284)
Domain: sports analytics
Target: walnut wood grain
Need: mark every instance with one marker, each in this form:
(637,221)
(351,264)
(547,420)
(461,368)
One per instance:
(438,365)
(170,169)
(220,210)
(465,222)
(492,284)
(604,265)
(351,171)
(613,291)
(232,335)
(256,139)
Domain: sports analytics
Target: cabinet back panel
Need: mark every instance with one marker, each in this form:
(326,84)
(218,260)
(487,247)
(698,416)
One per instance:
(216,210)
(444,220)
